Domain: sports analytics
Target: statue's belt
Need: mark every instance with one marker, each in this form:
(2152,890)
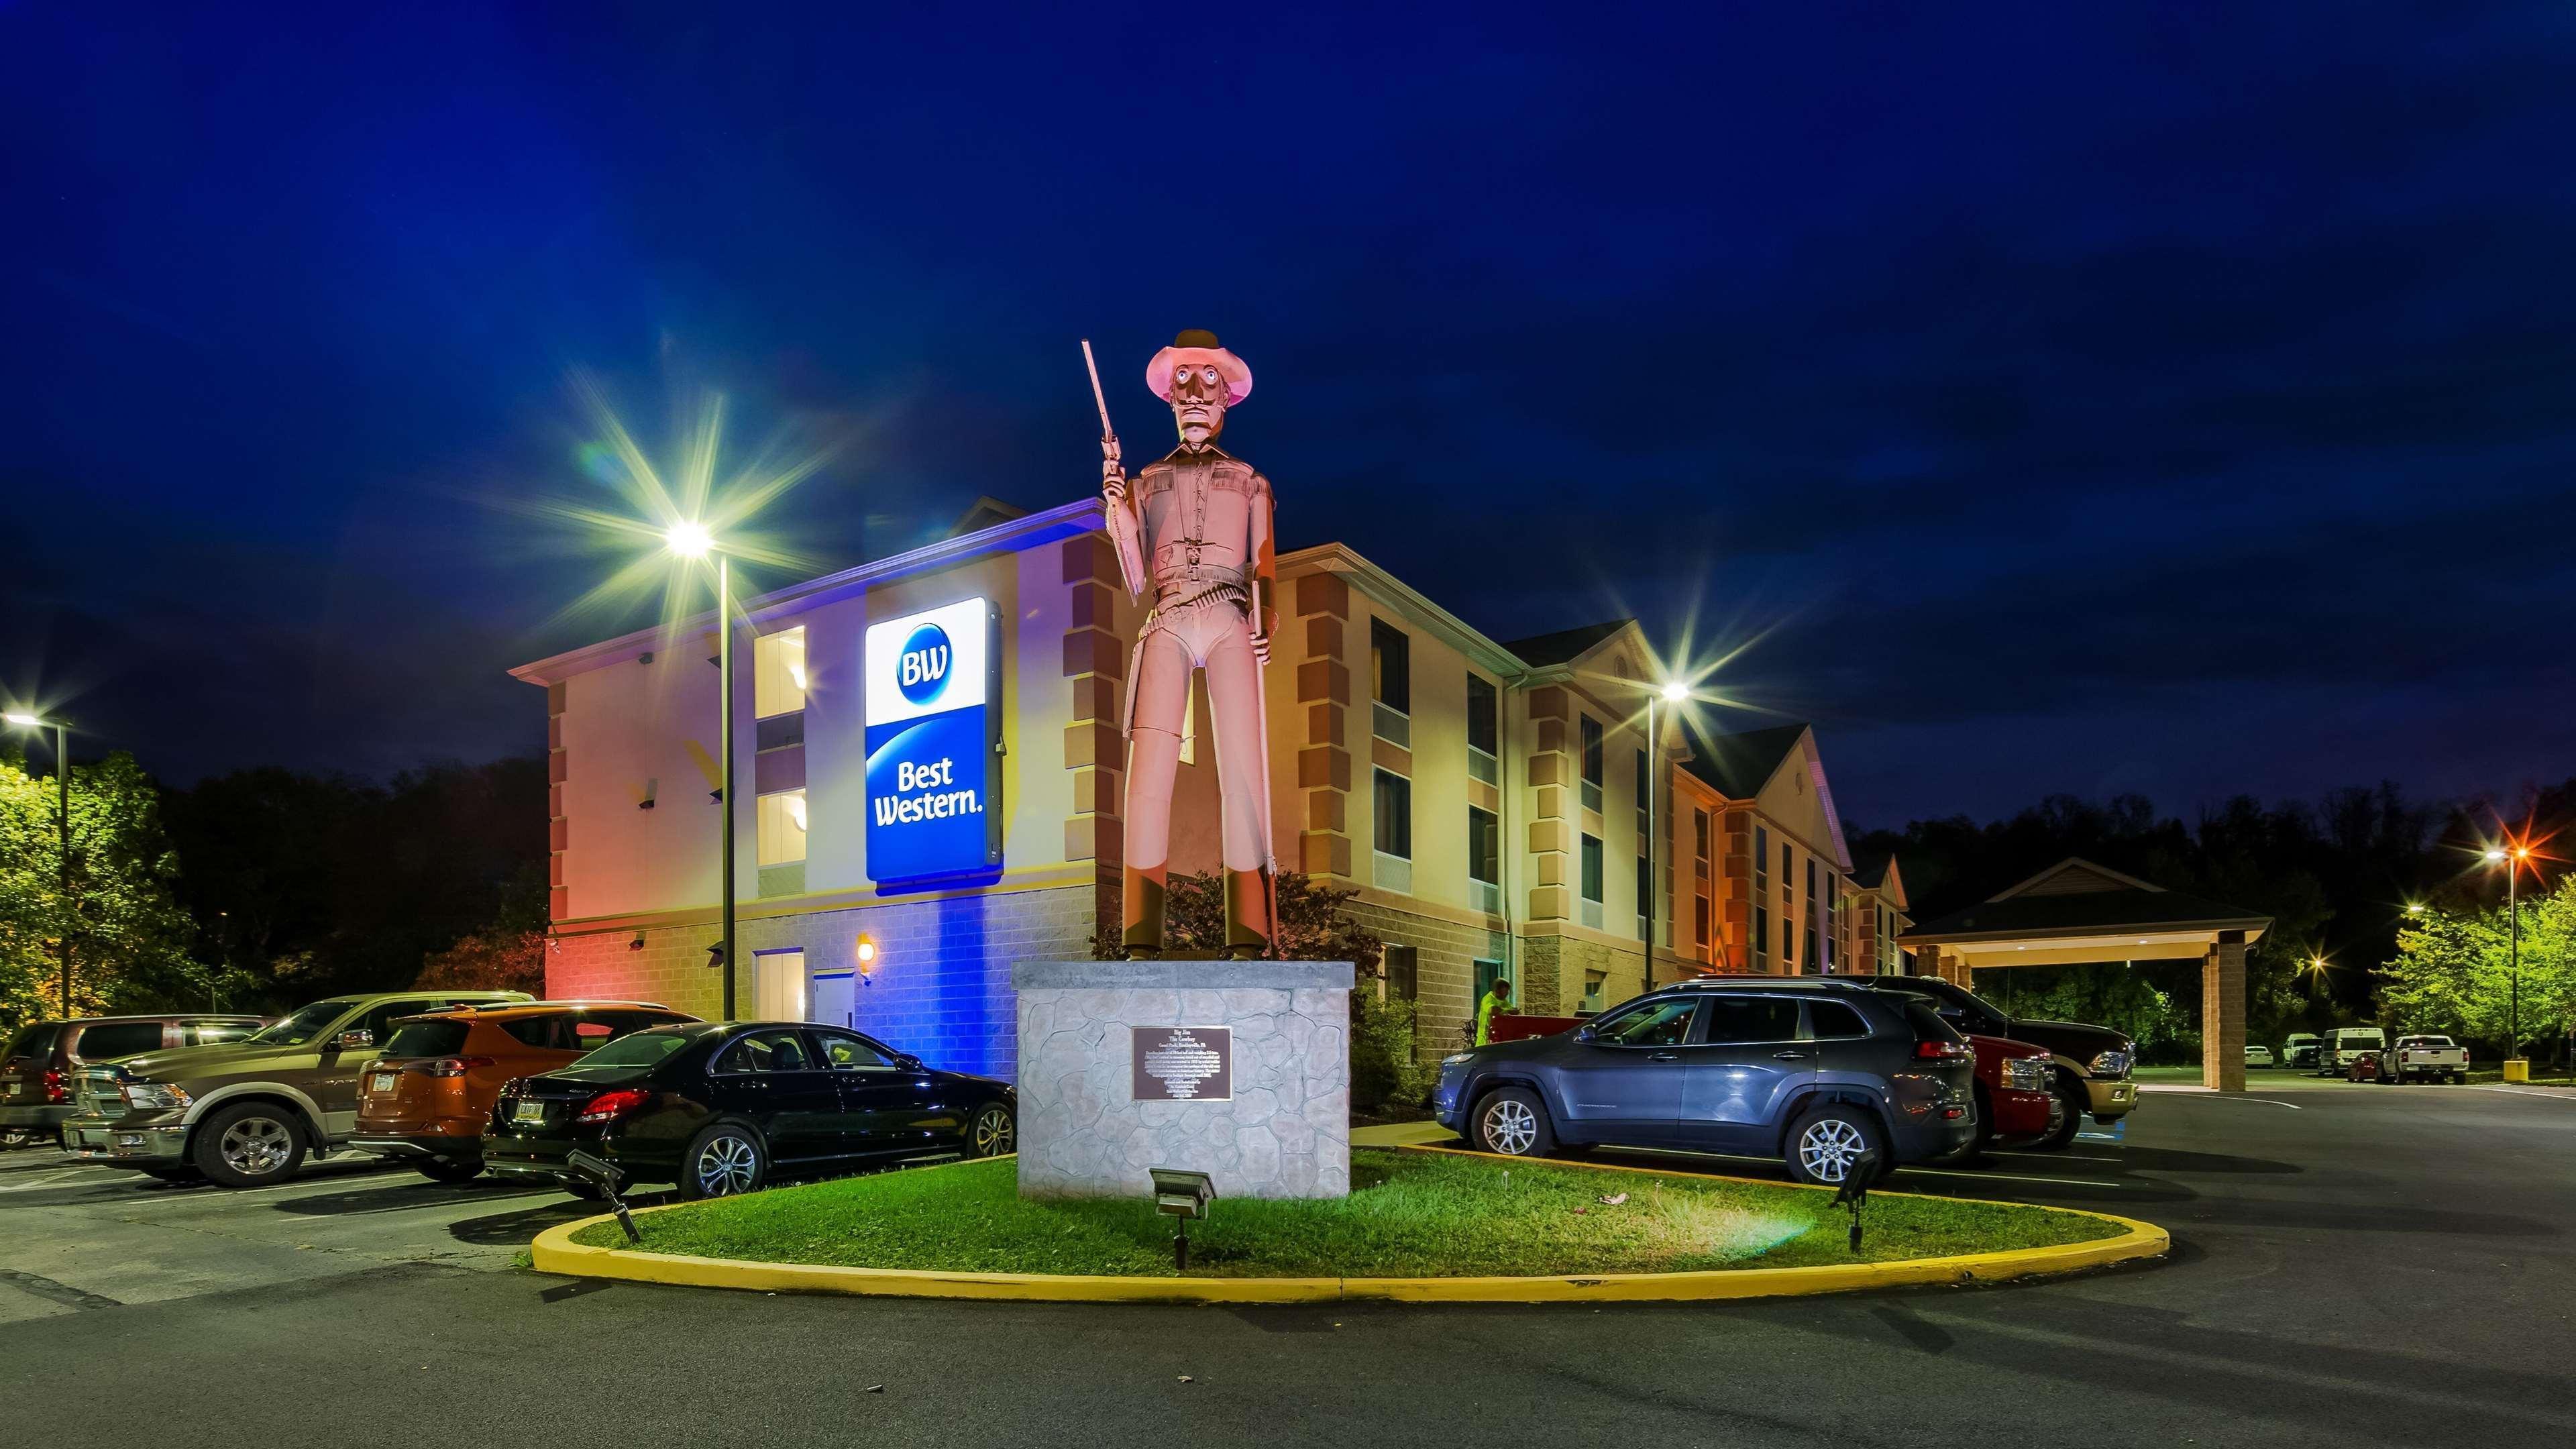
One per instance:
(1234,594)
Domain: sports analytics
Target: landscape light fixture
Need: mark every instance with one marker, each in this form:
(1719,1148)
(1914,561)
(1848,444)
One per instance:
(866,952)
(62,821)
(1182,1195)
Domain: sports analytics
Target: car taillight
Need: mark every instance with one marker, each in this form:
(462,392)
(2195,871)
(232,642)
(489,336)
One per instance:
(1932,1050)
(447,1066)
(609,1106)
(54,1091)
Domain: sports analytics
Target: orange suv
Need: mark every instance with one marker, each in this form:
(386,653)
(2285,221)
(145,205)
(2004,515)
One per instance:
(429,1095)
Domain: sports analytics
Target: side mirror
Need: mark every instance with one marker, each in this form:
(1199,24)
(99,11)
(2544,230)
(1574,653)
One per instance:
(906,1061)
(356,1040)
(1587,1032)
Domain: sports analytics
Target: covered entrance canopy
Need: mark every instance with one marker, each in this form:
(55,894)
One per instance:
(2076,912)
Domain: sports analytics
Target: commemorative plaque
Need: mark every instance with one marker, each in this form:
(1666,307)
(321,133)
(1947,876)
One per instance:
(1183,1064)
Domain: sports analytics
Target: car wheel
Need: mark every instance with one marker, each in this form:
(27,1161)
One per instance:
(2072,1104)
(174,1174)
(1826,1143)
(725,1160)
(1513,1122)
(449,1169)
(2458,1078)
(13,1138)
(251,1145)
(993,1133)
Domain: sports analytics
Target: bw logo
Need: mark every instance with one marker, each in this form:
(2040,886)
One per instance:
(921,671)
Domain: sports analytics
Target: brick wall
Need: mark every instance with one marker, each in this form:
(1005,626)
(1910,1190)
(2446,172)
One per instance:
(1445,963)
(942,988)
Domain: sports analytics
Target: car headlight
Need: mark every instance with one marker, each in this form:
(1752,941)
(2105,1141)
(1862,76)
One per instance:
(154,1096)
(1454,1058)
(2026,1074)
(2112,1063)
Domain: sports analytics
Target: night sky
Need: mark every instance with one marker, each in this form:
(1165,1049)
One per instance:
(2056,398)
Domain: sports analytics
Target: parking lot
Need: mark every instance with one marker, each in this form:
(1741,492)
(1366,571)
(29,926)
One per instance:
(2351,1265)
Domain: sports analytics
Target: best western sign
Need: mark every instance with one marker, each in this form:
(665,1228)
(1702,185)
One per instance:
(934,743)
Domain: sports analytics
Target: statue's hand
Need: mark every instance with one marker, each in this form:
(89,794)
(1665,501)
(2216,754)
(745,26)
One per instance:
(1113,483)
(1260,644)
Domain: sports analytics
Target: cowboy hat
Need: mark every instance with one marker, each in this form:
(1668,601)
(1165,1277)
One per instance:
(1188,350)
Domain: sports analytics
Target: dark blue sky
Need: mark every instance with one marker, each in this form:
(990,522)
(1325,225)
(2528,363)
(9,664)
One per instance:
(2070,398)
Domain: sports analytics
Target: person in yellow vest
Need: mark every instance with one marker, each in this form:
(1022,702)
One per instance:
(1498,997)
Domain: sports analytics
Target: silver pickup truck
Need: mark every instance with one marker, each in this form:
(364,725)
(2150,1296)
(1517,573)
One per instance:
(2423,1059)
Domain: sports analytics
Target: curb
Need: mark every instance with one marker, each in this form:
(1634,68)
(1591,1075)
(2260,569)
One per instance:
(554,1251)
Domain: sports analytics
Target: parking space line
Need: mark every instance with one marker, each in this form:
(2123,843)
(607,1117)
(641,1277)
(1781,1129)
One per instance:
(2009,1177)
(2050,1156)
(2527,1092)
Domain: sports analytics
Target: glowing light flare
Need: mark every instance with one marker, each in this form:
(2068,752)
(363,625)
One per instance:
(664,524)
(23,720)
(689,539)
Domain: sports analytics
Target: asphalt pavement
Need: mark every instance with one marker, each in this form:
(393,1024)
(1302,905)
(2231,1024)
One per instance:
(2385,1265)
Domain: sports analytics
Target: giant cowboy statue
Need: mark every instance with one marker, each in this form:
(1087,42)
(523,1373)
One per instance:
(1192,534)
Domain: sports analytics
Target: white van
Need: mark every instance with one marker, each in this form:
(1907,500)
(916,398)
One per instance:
(2334,1057)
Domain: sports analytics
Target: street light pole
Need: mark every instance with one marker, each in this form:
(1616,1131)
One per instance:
(690,539)
(2513,958)
(724,738)
(63,831)
(1653,785)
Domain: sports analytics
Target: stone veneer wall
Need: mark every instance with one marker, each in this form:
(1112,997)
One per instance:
(941,990)
(1285,1133)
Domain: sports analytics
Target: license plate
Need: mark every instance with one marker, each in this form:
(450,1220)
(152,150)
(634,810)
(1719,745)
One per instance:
(381,1082)
(528,1112)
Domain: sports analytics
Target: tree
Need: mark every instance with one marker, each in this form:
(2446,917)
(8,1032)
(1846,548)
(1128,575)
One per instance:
(129,938)
(490,961)
(2454,970)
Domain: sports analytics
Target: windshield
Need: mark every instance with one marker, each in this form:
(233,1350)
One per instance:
(2424,1041)
(627,1056)
(304,1025)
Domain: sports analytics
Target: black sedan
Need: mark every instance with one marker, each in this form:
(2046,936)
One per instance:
(716,1107)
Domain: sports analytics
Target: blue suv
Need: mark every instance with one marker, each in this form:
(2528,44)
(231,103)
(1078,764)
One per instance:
(1811,1070)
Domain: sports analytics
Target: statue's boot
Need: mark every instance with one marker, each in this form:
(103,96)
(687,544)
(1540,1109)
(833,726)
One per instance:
(1141,912)
(1247,915)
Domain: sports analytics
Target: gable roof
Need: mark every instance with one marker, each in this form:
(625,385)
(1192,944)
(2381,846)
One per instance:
(1564,646)
(983,513)
(1738,766)
(2077,897)
(1881,875)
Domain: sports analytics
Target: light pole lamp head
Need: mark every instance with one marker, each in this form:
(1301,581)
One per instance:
(689,539)
(23,720)
(2495,855)
(1676,692)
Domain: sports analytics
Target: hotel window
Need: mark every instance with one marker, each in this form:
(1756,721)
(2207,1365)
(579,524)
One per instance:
(1403,973)
(1484,860)
(1645,800)
(1592,881)
(1645,898)
(1391,683)
(1761,898)
(778,673)
(1484,730)
(1593,984)
(1699,841)
(1815,922)
(1393,798)
(1591,763)
(782,828)
(1699,920)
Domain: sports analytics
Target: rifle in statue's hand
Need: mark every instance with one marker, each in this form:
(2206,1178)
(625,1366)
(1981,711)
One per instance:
(1113,486)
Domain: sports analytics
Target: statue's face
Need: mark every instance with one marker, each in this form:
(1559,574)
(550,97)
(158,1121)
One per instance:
(1198,403)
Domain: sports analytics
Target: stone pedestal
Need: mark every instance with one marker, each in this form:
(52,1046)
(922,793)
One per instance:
(1282,1128)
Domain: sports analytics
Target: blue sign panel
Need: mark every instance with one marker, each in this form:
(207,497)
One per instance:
(934,744)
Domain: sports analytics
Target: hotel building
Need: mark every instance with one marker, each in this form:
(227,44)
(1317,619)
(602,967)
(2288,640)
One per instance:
(932,746)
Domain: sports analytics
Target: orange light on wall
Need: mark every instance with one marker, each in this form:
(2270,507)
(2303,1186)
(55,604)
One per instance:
(866,951)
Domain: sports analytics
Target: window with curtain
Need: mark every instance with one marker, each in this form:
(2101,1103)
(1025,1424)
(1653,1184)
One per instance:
(1394,809)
